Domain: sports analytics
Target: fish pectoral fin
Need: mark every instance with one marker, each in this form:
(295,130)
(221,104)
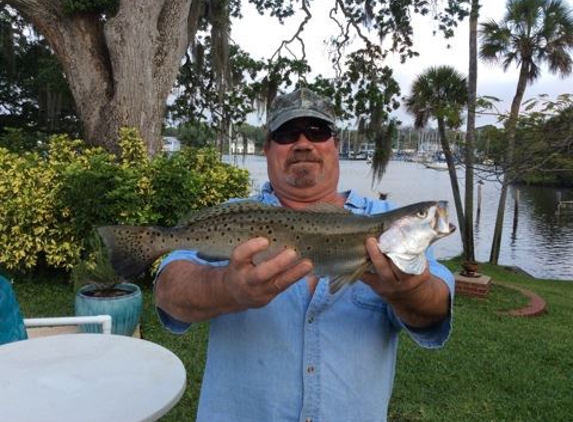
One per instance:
(408,263)
(341,280)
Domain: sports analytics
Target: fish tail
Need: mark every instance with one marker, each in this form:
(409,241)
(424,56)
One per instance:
(131,248)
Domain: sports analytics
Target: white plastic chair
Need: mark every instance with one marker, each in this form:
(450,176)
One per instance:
(14,328)
(103,320)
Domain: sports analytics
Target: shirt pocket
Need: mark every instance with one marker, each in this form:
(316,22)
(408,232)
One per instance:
(364,297)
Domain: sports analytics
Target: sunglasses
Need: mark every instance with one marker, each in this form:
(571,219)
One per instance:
(312,133)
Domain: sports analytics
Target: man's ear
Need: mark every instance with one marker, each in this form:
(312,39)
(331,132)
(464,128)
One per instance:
(266,146)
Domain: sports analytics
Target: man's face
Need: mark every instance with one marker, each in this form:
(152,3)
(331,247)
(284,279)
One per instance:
(303,170)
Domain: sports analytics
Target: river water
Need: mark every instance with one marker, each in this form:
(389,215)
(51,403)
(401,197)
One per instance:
(541,243)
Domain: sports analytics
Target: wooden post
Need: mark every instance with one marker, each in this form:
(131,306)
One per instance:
(515,213)
(480,184)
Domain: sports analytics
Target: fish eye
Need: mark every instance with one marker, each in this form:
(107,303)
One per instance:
(422,213)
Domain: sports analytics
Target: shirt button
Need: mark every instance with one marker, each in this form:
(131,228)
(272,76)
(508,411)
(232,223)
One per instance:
(308,420)
(310,370)
(310,319)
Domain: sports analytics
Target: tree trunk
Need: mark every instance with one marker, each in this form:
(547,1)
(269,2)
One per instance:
(469,252)
(453,176)
(120,70)
(7,48)
(508,176)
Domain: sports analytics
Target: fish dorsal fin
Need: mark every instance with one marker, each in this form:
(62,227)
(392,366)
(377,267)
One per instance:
(224,209)
(326,208)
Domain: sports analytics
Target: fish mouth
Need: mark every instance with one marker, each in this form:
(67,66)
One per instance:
(442,226)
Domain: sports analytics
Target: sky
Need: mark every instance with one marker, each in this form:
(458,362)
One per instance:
(261,36)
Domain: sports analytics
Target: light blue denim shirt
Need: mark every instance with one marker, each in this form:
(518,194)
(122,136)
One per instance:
(306,358)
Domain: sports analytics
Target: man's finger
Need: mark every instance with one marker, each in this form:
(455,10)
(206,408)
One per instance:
(275,265)
(381,263)
(244,253)
(292,275)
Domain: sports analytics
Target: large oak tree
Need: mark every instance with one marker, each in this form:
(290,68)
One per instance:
(120,64)
(121,57)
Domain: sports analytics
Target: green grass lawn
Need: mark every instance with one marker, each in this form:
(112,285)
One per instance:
(494,368)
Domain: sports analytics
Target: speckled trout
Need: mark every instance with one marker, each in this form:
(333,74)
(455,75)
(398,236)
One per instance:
(332,237)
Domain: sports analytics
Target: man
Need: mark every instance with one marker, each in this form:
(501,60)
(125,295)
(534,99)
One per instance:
(281,347)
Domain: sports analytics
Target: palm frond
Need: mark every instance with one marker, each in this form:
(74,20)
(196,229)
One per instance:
(531,33)
(440,91)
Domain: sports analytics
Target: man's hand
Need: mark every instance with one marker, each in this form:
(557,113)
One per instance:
(389,281)
(254,285)
(419,300)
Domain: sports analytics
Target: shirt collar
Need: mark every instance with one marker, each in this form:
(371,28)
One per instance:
(353,199)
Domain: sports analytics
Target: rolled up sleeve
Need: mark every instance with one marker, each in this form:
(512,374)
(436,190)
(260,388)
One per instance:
(169,322)
(437,334)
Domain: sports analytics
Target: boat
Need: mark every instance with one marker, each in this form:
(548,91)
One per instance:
(437,165)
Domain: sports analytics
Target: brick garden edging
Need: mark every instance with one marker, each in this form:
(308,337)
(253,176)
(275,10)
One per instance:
(535,307)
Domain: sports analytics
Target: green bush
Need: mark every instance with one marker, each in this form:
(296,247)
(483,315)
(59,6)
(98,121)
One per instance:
(52,201)
(17,140)
(216,181)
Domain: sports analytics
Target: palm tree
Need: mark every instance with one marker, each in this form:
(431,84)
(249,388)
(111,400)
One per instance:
(469,252)
(441,93)
(532,33)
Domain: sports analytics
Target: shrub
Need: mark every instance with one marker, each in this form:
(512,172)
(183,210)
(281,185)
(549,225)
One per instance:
(217,181)
(53,200)
(32,222)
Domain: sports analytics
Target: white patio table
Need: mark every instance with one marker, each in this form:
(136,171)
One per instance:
(88,378)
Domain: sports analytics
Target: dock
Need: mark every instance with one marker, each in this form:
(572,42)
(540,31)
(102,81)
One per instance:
(564,207)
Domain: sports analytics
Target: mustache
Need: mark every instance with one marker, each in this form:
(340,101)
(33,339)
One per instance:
(303,156)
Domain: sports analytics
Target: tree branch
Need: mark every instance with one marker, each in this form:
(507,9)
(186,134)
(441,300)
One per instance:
(174,17)
(284,44)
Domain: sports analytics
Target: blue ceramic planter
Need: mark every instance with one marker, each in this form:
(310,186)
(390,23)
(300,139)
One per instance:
(125,310)
(11,322)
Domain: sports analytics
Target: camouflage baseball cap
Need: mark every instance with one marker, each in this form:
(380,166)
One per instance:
(300,103)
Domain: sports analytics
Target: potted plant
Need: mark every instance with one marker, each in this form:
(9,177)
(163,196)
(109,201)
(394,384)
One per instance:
(470,269)
(100,291)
